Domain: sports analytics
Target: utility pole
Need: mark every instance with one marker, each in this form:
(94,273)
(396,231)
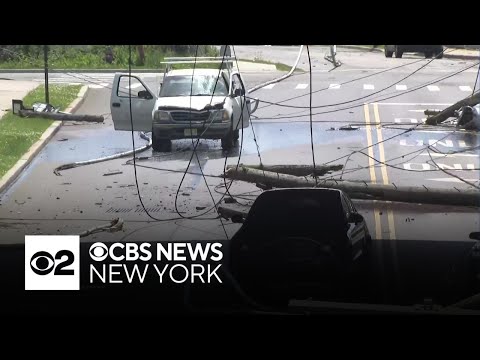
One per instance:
(45,55)
(331,58)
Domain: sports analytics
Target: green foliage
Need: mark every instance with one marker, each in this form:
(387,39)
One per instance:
(94,56)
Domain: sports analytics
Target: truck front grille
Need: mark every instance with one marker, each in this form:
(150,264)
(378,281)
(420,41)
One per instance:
(187,116)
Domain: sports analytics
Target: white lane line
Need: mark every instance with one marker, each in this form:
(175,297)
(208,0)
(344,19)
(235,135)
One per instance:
(452,179)
(465,88)
(269,86)
(433,88)
(334,86)
(401,87)
(301,86)
(450,155)
(406,120)
(412,104)
(368,87)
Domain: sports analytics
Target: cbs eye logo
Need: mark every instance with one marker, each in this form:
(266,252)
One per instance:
(98,251)
(42,263)
(52,262)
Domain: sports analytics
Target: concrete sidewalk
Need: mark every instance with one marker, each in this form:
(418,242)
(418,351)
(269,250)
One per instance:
(10,90)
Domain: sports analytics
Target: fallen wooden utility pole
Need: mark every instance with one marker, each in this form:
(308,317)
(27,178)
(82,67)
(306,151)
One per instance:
(61,116)
(360,190)
(450,111)
(297,170)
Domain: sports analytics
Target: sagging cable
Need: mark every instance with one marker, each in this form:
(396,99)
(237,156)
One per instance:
(106,158)
(280,78)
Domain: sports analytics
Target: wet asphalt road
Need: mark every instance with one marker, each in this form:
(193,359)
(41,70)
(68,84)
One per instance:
(41,202)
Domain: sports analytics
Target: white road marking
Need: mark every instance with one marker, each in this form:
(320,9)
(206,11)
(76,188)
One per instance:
(417,110)
(433,88)
(269,86)
(413,104)
(301,86)
(406,120)
(368,87)
(450,155)
(452,179)
(465,88)
(401,87)
(334,86)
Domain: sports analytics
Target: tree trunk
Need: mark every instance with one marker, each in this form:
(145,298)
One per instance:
(360,190)
(141,55)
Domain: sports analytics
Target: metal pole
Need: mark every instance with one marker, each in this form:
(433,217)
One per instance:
(45,53)
(332,54)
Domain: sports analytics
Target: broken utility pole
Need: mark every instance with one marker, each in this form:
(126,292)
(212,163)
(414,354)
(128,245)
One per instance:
(297,170)
(450,111)
(57,116)
(45,56)
(361,190)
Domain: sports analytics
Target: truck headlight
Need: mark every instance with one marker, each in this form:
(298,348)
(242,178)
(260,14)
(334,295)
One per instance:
(161,116)
(221,115)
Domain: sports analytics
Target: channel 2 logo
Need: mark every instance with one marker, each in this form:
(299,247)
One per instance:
(52,262)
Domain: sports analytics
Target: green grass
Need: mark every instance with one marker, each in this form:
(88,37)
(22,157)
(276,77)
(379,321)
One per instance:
(18,134)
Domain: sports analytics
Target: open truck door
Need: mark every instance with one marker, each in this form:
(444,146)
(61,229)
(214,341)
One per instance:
(143,101)
(240,103)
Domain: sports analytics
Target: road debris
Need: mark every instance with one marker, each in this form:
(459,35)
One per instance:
(113,173)
(469,118)
(348,127)
(114,226)
(229,200)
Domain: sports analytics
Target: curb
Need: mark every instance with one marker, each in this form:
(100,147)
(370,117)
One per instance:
(28,157)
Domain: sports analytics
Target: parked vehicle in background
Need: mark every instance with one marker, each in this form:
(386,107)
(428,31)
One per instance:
(428,50)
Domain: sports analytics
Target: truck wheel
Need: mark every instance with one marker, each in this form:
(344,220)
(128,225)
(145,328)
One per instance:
(439,54)
(398,52)
(161,145)
(388,53)
(228,140)
(428,55)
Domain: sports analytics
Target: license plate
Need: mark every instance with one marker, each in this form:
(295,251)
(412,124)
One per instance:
(190,132)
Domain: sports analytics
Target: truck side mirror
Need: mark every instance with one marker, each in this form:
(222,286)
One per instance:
(238,92)
(144,95)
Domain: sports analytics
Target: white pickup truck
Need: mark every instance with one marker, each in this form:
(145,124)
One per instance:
(192,103)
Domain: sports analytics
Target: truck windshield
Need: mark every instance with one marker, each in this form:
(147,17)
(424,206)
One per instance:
(202,85)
